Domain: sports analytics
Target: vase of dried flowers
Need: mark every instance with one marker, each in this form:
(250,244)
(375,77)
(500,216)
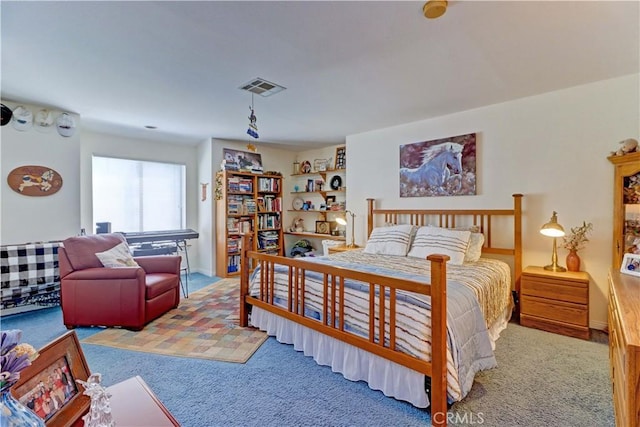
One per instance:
(14,357)
(575,241)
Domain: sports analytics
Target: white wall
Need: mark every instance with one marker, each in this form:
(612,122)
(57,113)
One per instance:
(35,219)
(550,147)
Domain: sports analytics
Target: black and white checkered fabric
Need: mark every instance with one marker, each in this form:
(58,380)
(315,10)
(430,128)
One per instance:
(30,274)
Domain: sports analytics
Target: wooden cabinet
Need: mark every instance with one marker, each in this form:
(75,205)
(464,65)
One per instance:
(318,196)
(626,205)
(624,347)
(249,203)
(555,301)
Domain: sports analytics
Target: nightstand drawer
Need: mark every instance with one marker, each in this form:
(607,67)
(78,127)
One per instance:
(555,289)
(561,311)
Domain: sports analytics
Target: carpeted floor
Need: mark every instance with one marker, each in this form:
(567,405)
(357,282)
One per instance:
(204,326)
(542,380)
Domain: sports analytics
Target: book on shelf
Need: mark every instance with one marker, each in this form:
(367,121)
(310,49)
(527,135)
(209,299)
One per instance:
(269,184)
(236,184)
(268,240)
(238,225)
(233,263)
(269,220)
(250,206)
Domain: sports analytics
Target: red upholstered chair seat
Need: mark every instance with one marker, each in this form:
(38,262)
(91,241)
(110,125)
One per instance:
(131,297)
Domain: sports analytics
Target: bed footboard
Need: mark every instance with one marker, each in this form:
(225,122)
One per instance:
(382,293)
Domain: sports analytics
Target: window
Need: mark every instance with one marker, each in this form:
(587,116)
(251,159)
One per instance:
(138,196)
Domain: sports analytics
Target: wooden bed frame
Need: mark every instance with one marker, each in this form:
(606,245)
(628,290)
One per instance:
(334,277)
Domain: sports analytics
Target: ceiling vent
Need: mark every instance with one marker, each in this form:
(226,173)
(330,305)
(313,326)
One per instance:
(262,87)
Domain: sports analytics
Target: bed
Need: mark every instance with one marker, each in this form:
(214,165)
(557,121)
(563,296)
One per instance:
(417,329)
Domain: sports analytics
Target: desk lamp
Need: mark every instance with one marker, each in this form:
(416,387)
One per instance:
(555,230)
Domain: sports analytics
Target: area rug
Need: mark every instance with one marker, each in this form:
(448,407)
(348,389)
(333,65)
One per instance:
(204,326)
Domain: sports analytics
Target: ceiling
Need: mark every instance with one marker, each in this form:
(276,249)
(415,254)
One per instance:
(348,67)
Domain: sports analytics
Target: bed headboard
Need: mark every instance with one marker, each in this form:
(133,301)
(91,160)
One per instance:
(490,222)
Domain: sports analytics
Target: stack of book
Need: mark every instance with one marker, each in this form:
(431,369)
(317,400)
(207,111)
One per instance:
(267,240)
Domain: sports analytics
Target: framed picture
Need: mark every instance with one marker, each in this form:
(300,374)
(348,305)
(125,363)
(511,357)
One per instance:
(243,161)
(630,265)
(439,167)
(341,158)
(48,386)
(330,200)
(323,227)
(320,165)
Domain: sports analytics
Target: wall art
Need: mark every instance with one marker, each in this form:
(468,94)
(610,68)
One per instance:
(34,181)
(440,167)
(241,161)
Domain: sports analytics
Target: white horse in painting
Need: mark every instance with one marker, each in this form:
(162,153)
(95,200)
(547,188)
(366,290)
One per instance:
(43,181)
(439,164)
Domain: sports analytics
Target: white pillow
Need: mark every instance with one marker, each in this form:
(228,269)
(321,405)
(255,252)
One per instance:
(392,240)
(436,240)
(474,250)
(116,257)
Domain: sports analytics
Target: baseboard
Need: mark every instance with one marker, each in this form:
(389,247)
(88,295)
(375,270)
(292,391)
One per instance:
(596,324)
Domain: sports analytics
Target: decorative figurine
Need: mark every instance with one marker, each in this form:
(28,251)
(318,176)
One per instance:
(253,127)
(99,414)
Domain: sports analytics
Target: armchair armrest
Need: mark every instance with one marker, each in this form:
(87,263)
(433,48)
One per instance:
(160,263)
(106,274)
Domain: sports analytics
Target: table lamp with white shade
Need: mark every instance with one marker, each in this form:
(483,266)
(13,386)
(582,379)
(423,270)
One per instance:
(555,230)
(343,221)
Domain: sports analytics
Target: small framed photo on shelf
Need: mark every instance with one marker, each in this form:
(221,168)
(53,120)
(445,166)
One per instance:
(59,364)
(330,200)
(323,227)
(320,165)
(341,158)
(631,264)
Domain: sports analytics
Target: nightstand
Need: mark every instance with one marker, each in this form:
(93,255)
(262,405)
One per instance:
(555,301)
(336,249)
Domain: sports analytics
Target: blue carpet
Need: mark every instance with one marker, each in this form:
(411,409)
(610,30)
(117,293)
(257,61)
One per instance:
(542,379)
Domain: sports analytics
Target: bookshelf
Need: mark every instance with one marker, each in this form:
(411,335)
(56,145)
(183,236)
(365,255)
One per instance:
(249,203)
(324,197)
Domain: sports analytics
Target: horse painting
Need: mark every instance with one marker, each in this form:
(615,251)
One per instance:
(43,181)
(440,163)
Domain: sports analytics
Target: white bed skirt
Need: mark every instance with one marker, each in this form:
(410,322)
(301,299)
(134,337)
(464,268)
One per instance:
(354,364)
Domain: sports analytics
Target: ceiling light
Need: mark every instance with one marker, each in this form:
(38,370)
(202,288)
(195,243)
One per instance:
(434,8)
(262,87)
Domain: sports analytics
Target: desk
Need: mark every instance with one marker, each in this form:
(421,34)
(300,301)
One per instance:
(134,404)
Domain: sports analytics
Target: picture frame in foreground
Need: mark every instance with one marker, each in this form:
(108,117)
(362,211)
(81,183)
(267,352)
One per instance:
(48,386)
(631,264)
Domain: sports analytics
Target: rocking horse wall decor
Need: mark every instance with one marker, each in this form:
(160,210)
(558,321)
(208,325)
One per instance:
(441,167)
(34,181)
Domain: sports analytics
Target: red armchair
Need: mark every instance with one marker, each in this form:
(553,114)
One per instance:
(131,297)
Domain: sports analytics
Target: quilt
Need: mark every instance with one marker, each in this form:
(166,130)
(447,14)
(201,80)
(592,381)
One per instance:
(477,294)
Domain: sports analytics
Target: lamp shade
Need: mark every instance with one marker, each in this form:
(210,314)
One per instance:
(342,221)
(552,228)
